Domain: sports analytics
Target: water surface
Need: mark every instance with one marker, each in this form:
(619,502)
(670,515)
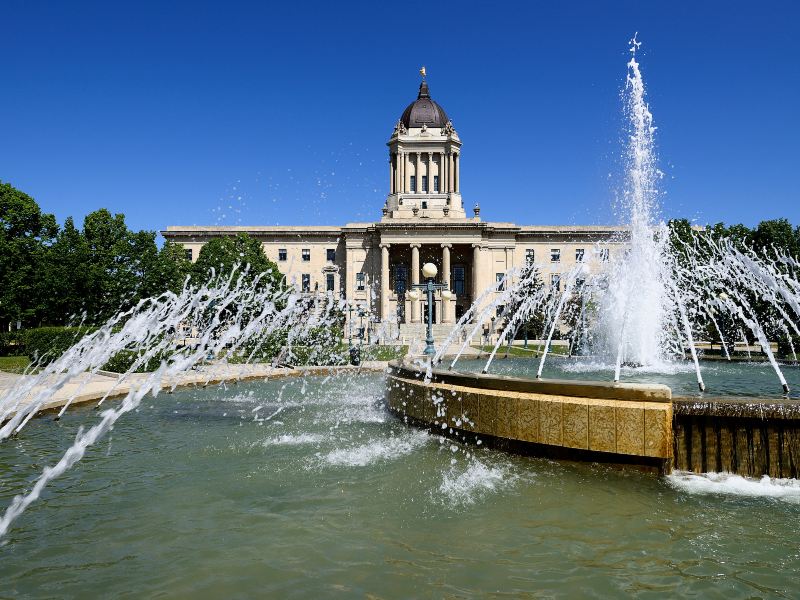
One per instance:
(309,488)
(722,378)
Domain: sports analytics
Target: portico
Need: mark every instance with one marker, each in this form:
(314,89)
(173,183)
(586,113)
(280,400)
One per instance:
(401,268)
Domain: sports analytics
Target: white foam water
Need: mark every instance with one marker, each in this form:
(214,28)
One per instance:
(462,486)
(728,484)
(289,439)
(663,367)
(377,451)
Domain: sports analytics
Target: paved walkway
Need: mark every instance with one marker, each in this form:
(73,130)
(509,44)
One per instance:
(90,388)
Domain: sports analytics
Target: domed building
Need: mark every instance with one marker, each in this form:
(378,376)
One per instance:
(373,265)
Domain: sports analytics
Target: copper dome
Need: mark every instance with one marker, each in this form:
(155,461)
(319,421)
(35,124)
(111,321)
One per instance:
(424,111)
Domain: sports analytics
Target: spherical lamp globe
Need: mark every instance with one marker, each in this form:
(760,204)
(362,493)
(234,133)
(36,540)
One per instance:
(429,270)
(448,295)
(414,294)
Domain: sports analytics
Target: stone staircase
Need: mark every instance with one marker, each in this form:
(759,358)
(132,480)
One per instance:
(413,334)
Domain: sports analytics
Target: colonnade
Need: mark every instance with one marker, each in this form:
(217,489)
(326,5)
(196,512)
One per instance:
(447,311)
(448,171)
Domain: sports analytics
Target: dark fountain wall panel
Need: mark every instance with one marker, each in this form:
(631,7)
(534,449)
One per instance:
(749,438)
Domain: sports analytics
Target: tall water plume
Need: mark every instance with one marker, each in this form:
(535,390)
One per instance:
(636,303)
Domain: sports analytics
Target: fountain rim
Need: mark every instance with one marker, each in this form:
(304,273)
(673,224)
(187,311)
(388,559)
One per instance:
(601,390)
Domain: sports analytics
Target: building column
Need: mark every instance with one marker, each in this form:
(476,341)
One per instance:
(416,173)
(476,271)
(446,163)
(415,312)
(401,184)
(429,172)
(442,173)
(446,316)
(438,155)
(397,173)
(384,282)
(450,170)
(457,169)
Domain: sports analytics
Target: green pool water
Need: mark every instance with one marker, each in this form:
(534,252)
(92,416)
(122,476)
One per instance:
(722,378)
(309,489)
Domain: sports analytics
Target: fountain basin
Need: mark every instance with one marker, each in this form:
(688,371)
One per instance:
(595,421)
(639,423)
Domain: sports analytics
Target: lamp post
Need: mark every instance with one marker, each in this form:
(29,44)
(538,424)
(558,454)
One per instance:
(350,310)
(361,314)
(429,271)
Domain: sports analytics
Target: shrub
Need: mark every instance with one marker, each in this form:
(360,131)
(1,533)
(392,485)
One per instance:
(46,344)
(122,361)
(12,343)
(785,348)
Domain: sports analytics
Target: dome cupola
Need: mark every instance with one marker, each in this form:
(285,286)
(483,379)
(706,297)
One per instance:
(424,111)
(424,163)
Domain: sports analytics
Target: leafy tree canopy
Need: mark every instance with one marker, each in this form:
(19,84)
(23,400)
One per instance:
(220,255)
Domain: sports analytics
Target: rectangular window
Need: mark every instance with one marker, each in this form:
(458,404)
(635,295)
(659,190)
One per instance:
(578,254)
(435,183)
(424,205)
(458,281)
(281,254)
(330,254)
(360,280)
(413,183)
(188,253)
(424,183)
(329,282)
(604,254)
(555,281)
(400,279)
(555,255)
(499,277)
(306,253)
(529,256)
(305,282)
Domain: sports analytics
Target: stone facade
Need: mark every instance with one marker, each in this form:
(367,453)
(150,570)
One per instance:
(373,265)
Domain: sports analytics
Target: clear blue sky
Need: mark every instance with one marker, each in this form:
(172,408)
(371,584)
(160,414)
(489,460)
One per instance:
(278,113)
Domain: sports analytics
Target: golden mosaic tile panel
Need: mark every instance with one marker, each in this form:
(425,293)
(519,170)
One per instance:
(575,424)
(602,427)
(550,431)
(630,429)
(528,420)
(657,428)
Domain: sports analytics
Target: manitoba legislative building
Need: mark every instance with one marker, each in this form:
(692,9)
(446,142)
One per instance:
(374,265)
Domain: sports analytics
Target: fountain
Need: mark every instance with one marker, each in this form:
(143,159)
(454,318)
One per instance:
(314,484)
(637,314)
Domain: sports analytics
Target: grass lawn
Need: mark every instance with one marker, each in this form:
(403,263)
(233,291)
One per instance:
(533,350)
(383,352)
(14,364)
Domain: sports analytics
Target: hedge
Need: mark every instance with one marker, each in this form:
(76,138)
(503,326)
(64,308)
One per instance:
(46,344)
(122,361)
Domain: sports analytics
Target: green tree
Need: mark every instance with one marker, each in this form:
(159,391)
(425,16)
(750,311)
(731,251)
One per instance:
(25,234)
(777,233)
(681,238)
(109,267)
(172,268)
(68,284)
(221,254)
